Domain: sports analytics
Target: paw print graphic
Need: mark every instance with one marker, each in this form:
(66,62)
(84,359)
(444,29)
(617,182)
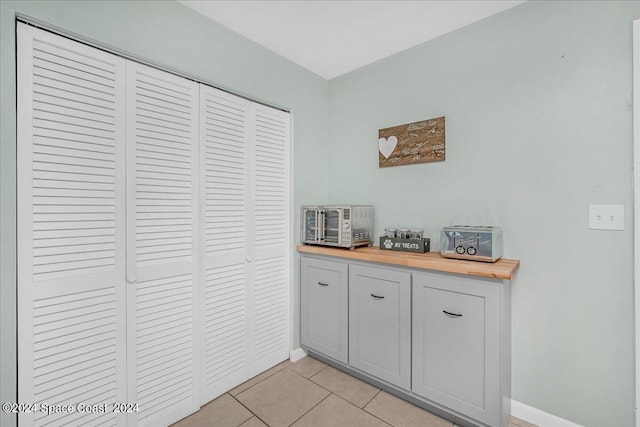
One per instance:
(388,244)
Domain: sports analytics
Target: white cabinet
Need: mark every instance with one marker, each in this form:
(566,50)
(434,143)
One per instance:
(441,340)
(153,235)
(324,301)
(380,323)
(456,344)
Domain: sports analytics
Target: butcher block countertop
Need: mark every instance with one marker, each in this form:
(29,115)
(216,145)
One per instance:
(501,269)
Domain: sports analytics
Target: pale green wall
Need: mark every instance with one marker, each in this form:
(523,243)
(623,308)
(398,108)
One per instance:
(166,33)
(538,126)
(538,108)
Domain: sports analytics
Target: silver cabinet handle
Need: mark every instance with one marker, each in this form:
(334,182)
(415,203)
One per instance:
(377,296)
(323,284)
(448,313)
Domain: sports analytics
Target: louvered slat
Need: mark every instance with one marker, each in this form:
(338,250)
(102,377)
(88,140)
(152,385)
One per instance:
(225,323)
(164,144)
(72,145)
(271,172)
(163,305)
(225,128)
(71,194)
(270,307)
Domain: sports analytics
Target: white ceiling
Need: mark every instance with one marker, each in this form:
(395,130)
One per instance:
(331,38)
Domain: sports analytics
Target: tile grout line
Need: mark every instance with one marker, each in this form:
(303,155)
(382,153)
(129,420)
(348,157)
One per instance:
(363,410)
(310,409)
(250,411)
(325,367)
(268,376)
(279,370)
(252,414)
(340,397)
(332,392)
(369,401)
(387,422)
(312,382)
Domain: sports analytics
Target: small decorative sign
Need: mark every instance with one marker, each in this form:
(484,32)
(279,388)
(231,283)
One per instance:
(406,245)
(417,142)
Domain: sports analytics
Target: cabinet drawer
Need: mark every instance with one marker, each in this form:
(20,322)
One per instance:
(380,323)
(324,304)
(456,345)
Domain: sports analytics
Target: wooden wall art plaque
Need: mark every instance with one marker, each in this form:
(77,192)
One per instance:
(417,142)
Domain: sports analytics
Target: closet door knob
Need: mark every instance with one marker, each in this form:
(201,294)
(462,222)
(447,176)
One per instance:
(248,259)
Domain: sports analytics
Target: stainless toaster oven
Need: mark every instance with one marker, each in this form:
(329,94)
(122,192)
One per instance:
(345,226)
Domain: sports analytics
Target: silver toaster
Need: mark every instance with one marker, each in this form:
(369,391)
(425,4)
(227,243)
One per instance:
(478,243)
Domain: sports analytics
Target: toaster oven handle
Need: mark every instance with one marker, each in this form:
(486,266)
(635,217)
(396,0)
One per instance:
(320,228)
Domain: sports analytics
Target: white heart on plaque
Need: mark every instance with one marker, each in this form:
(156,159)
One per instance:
(387,145)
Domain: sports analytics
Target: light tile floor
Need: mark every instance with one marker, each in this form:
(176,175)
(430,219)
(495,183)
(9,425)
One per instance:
(309,393)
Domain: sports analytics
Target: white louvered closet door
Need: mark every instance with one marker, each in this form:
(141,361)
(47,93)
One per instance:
(270,233)
(71,229)
(246,223)
(163,245)
(225,214)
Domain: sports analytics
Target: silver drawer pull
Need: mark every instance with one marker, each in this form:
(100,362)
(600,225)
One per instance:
(377,296)
(448,313)
(323,284)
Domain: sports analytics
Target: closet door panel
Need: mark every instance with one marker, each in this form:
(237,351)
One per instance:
(225,215)
(270,232)
(163,244)
(71,224)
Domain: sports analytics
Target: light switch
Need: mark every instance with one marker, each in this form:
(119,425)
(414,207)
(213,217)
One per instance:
(606,217)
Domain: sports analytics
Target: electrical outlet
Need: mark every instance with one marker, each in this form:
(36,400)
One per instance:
(606,217)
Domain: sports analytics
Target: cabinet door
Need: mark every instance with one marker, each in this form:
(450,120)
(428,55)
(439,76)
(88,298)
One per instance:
(456,344)
(380,323)
(71,228)
(163,245)
(323,307)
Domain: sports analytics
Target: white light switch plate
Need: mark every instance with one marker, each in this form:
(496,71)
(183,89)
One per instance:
(606,217)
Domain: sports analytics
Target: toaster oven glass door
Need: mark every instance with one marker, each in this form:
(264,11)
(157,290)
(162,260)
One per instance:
(333,225)
(311,225)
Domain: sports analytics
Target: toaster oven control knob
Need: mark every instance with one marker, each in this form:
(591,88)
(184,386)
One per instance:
(471,250)
(346,225)
(460,250)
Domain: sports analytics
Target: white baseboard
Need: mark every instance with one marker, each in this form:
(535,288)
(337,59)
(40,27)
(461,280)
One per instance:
(297,354)
(536,416)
